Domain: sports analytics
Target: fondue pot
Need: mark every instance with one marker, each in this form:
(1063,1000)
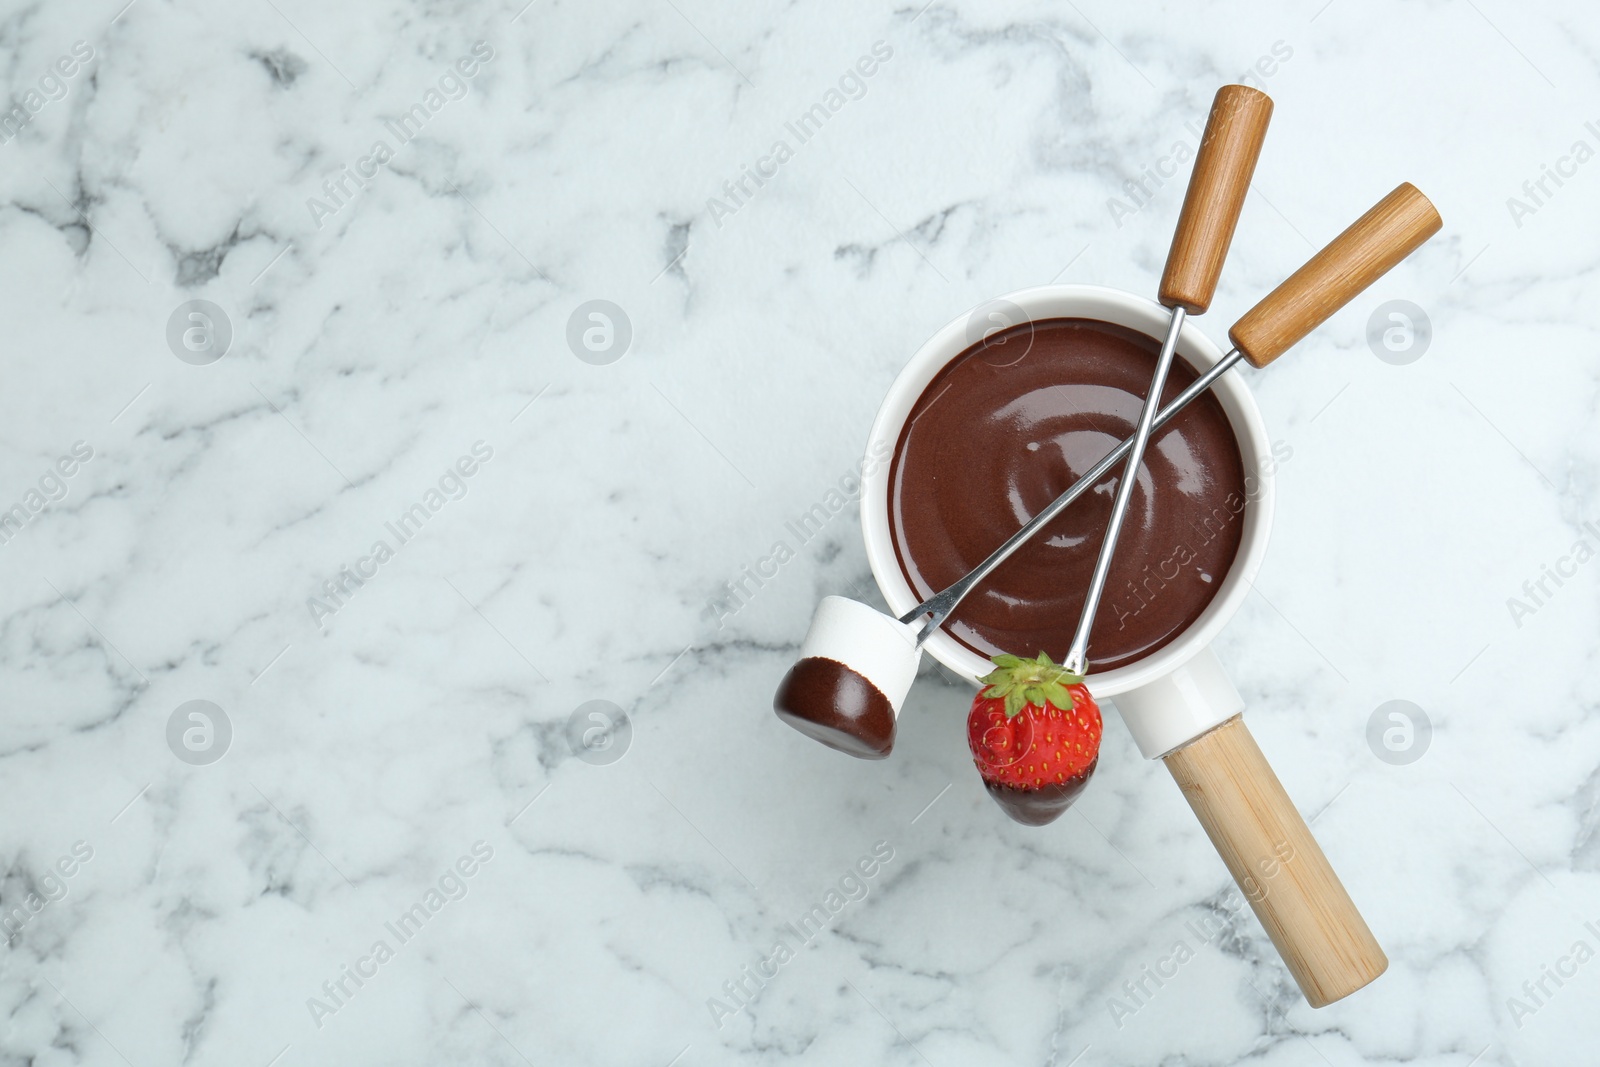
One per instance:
(1178,691)
(857,664)
(1178,702)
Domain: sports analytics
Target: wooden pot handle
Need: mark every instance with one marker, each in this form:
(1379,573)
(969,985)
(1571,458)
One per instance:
(1359,256)
(1222,169)
(1280,868)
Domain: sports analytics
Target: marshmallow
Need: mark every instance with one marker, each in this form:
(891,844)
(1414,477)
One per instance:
(856,666)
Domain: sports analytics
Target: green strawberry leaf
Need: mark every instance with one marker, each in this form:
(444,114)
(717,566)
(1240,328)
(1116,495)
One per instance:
(1013,704)
(1021,681)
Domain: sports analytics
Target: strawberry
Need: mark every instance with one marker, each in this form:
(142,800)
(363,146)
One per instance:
(1035,732)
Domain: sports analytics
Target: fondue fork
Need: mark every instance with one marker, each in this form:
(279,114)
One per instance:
(1394,228)
(1223,165)
(1217,186)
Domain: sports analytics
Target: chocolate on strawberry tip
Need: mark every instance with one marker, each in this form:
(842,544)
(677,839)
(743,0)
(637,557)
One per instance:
(1034,732)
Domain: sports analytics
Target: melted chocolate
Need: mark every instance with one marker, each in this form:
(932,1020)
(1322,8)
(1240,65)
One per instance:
(1007,427)
(828,701)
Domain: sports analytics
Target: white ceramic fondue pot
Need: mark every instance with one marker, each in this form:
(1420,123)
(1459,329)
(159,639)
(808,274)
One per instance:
(857,664)
(1178,702)
(1180,691)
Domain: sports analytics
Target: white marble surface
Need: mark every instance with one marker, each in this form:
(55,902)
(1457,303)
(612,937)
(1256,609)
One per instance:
(371,752)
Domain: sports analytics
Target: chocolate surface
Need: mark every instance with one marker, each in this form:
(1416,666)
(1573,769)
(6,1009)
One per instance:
(828,701)
(1007,427)
(1035,807)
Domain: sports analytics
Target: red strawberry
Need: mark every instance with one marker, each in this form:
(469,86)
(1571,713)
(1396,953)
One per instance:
(1035,732)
